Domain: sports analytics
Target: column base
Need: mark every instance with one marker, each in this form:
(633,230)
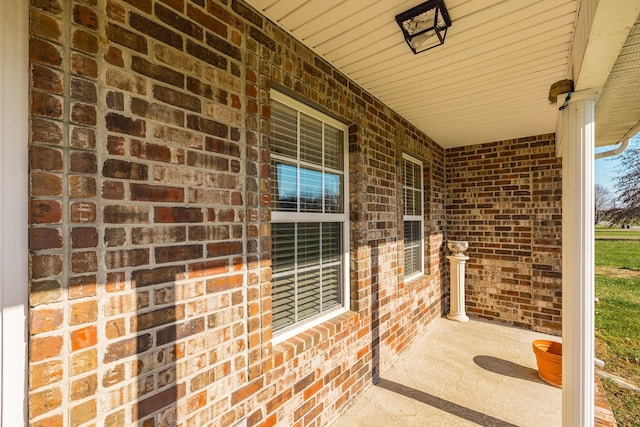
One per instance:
(458,317)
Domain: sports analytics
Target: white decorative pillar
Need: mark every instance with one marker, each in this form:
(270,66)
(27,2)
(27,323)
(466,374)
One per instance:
(577,261)
(456,273)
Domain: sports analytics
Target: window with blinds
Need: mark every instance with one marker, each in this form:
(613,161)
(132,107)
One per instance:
(309,220)
(413,217)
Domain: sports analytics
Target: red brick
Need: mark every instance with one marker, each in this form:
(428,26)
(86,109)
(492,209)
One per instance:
(84,387)
(177,21)
(84,41)
(83,114)
(44,238)
(176,98)
(224,249)
(115,329)
(181,331)
(45,292)
(84,91)
(43,266)
(47,79)
(44,320)
(155,30)
(157,72)
(82,162)
(122,124)
(46,105)
(82,186)
(141,278)
(126,258)
(115,214)
(83,338)
(44,348)
(46,373)
(246,391)
(85,16)
(178,214)
(82,413)
(143,5)
(44,52)
(84,312)
(279,400)
(121,169)
(82,212)
(178,253)
(156,193)
(83,138)
(83,361)
(46,159)
(162,316)
(44,401)
(208,268)
(46,184)
(126,38)
(156,152)
(224,283)
(82,286)
(207,20)
(114,56)
(84,66)
(157,401)
(44,26)
(84,262)
(46,131)
(112,190)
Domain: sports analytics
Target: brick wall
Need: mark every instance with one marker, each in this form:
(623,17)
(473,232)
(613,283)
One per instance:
(149,222)
(505,198)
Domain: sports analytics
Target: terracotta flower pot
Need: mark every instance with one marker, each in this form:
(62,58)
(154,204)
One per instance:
(549,360)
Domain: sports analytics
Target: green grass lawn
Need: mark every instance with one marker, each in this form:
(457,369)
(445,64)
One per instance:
(617,321)
(624,254)
(616,233)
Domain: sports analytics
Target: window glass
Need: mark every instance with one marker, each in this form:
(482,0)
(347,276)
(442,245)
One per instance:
(413,219)
(309,248)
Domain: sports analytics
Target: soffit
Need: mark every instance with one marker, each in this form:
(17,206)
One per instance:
(618,108)
(488,82)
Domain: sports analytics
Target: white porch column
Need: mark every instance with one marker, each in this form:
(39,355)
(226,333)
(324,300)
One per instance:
(577,261)
(14,139)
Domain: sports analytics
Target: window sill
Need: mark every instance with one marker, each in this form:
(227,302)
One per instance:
(298,344)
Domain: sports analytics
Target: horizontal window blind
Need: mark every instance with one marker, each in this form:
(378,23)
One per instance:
(413,219)
(309,219)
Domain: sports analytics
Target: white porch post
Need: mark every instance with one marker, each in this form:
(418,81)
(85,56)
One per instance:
(577,262)
(14,138)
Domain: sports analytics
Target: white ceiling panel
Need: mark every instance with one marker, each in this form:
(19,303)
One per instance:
(490,79)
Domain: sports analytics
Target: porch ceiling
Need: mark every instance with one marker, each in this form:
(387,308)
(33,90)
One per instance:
(488,82)
(618,109)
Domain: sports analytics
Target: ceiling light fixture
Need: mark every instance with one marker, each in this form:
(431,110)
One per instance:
(425,26)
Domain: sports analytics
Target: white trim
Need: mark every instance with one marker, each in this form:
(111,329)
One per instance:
(577,264)
(14,131)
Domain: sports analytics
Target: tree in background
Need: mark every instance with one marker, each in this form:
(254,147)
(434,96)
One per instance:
(628,185)
(602,202)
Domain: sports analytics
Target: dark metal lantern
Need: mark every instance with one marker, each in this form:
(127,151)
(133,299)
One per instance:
(425,26)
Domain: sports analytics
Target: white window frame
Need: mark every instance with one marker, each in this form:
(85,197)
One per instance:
(414,218)
(313,217)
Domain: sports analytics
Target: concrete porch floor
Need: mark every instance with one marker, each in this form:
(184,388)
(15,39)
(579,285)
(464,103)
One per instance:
(461,374)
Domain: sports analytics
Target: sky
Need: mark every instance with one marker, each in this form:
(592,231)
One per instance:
(606,168)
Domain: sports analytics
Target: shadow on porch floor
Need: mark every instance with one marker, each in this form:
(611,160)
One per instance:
(461,374)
